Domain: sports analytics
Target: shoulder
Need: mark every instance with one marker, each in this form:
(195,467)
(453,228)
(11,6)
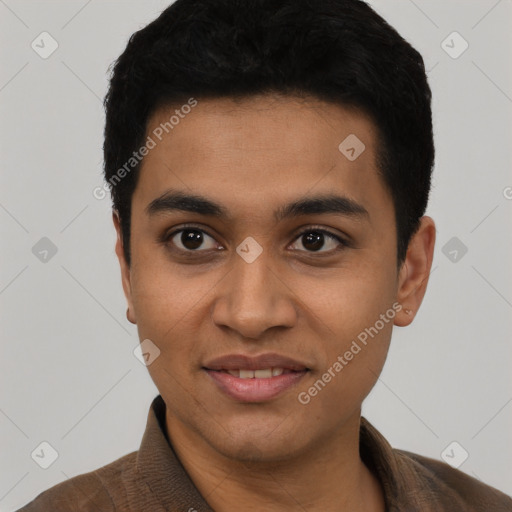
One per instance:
(102,489)
(453,485)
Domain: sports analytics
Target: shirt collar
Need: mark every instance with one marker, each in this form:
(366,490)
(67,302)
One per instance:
(168,480)
(161,469)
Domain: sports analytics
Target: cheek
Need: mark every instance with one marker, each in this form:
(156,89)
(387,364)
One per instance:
(160,299)
(171,305)
(166,308)
(355,318)
(349,299)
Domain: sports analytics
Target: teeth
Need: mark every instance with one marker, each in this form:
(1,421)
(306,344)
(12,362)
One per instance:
(257,374)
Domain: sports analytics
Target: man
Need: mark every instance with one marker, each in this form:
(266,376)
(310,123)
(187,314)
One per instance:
(270,165)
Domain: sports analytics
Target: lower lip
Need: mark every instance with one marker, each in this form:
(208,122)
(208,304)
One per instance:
(254,390)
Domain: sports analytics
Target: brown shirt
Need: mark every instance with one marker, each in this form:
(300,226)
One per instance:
(152,479)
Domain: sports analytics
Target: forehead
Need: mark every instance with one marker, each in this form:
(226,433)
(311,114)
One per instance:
(262,150)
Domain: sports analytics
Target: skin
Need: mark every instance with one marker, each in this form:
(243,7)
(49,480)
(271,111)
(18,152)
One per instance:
(252,157)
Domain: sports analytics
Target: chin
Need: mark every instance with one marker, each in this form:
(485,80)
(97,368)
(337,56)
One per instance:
(257,444)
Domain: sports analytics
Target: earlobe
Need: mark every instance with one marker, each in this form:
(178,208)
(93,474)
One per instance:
(415,271)
(130,317)
(125,269)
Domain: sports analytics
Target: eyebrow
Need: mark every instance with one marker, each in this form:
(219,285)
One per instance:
(174,200)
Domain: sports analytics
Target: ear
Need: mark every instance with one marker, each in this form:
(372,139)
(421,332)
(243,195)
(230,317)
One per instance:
(415,271)
(125,269)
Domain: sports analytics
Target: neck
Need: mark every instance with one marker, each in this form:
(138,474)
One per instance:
(327,476)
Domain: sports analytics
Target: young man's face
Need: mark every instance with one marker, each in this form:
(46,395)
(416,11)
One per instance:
(208,292)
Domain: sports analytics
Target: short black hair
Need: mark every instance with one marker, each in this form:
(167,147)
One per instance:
(339,51)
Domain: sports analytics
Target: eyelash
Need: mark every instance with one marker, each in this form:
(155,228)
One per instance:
(166,238)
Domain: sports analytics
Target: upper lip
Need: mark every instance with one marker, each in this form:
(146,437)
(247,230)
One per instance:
(262,361)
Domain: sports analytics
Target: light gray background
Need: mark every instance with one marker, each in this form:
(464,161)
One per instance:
(68,373)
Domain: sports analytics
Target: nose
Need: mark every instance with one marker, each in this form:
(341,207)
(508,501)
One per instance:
(253,298)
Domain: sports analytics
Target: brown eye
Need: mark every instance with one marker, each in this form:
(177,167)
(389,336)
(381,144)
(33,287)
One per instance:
(313,240)
(192,239)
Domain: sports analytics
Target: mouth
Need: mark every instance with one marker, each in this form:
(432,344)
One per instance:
(263,362)
(254,379)
(266,373)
